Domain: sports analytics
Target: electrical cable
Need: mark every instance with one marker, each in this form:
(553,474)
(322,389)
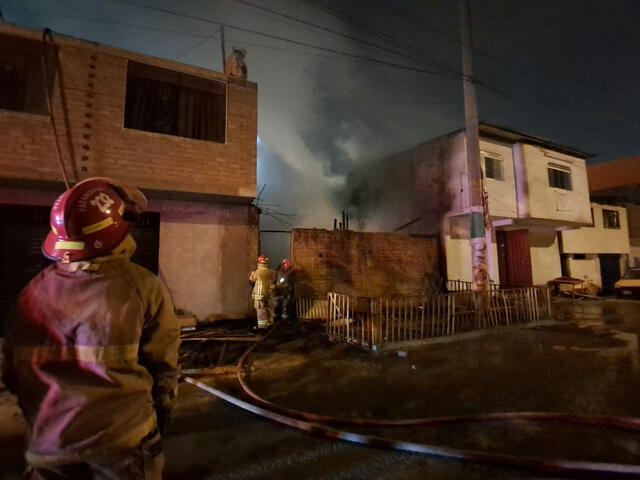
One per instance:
(46,34)
(335,32)
(281,38)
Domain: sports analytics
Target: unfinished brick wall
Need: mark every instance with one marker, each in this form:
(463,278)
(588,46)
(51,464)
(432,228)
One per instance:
(367,264)
(89,112)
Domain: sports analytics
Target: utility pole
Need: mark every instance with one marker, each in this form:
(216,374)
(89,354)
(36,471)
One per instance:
(480,271)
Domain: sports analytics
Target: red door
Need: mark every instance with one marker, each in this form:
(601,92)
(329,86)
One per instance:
(517,258)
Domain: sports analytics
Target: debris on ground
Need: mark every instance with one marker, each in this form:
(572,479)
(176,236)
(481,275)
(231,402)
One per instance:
(215,349)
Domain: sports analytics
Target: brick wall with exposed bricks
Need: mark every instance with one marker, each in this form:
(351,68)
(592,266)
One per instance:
(88,98)
(362,263)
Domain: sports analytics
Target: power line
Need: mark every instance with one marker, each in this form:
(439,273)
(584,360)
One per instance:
(333,31)
(444,66)
(364,26)
(168,30)
(487,55)
(179,32)
(193,47)
(278,37)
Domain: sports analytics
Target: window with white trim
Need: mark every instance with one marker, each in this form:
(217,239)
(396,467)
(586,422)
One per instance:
(610,218)
(493,167)
(559,176)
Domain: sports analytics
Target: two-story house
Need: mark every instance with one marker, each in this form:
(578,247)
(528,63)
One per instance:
(535,188)
(185,135)
(598,253)
(618,182)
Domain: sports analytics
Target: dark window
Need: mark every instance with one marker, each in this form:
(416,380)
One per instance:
(579,256)
(21,77)
(610,218)
(559,176)
(493,168)
(174,103)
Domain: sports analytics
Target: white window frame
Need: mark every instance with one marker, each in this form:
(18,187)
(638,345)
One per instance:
(495,157)
(560,168)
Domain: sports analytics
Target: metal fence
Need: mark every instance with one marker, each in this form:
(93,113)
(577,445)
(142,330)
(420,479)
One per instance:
(374,322)
(312,308)
(463,286)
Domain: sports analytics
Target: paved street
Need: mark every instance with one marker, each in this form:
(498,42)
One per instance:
(587,363)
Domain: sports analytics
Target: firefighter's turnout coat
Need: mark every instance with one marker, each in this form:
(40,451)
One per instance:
(92,352)
(263,279)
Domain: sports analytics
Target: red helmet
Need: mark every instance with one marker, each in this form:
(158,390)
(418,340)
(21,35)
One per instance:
(87,220)
(262,259)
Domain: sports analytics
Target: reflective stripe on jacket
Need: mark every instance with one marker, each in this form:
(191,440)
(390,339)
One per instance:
(89,356)
(263,279)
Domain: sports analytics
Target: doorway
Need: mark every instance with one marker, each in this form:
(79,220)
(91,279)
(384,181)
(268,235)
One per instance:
(609,272)
(514,258)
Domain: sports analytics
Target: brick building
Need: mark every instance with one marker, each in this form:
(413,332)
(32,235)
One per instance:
(363,263)
(185,135)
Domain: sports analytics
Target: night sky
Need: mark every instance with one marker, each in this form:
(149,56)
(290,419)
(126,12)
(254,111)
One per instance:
(564,70)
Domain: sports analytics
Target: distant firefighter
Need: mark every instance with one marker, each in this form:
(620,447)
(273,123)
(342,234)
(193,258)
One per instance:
(263,279)
(285,307)
(234,65)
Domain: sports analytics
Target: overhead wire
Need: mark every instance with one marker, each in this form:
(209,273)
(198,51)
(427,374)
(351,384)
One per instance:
(193,47)
(279,37)
(335,32)
(213,36)
(378,34)
(454,72)
(481,52)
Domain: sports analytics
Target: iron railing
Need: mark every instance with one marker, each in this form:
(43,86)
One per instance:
(308,308)
(464,286)
(374,322)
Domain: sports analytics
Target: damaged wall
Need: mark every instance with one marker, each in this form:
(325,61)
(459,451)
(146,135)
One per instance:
(366,264)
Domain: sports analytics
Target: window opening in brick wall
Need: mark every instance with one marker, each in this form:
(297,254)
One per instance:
(610,218)
(493,168)
(174,103)
(559,176)
(21,77)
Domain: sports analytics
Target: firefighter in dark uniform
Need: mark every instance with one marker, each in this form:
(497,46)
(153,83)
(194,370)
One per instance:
(285,305)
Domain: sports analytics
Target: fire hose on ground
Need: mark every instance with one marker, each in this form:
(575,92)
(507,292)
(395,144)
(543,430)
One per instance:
(322,426)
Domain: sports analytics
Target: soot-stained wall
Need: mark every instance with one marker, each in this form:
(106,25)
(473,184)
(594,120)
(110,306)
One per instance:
(361,263)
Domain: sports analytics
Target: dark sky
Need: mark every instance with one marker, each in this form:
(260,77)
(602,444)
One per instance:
(565,70)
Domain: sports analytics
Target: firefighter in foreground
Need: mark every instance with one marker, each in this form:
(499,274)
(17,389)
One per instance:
(92,355)
(263,279)
(284,292)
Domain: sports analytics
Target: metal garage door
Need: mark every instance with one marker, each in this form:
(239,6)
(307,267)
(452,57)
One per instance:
(22,230)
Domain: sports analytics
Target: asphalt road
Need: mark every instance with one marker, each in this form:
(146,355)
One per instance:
(588,363)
